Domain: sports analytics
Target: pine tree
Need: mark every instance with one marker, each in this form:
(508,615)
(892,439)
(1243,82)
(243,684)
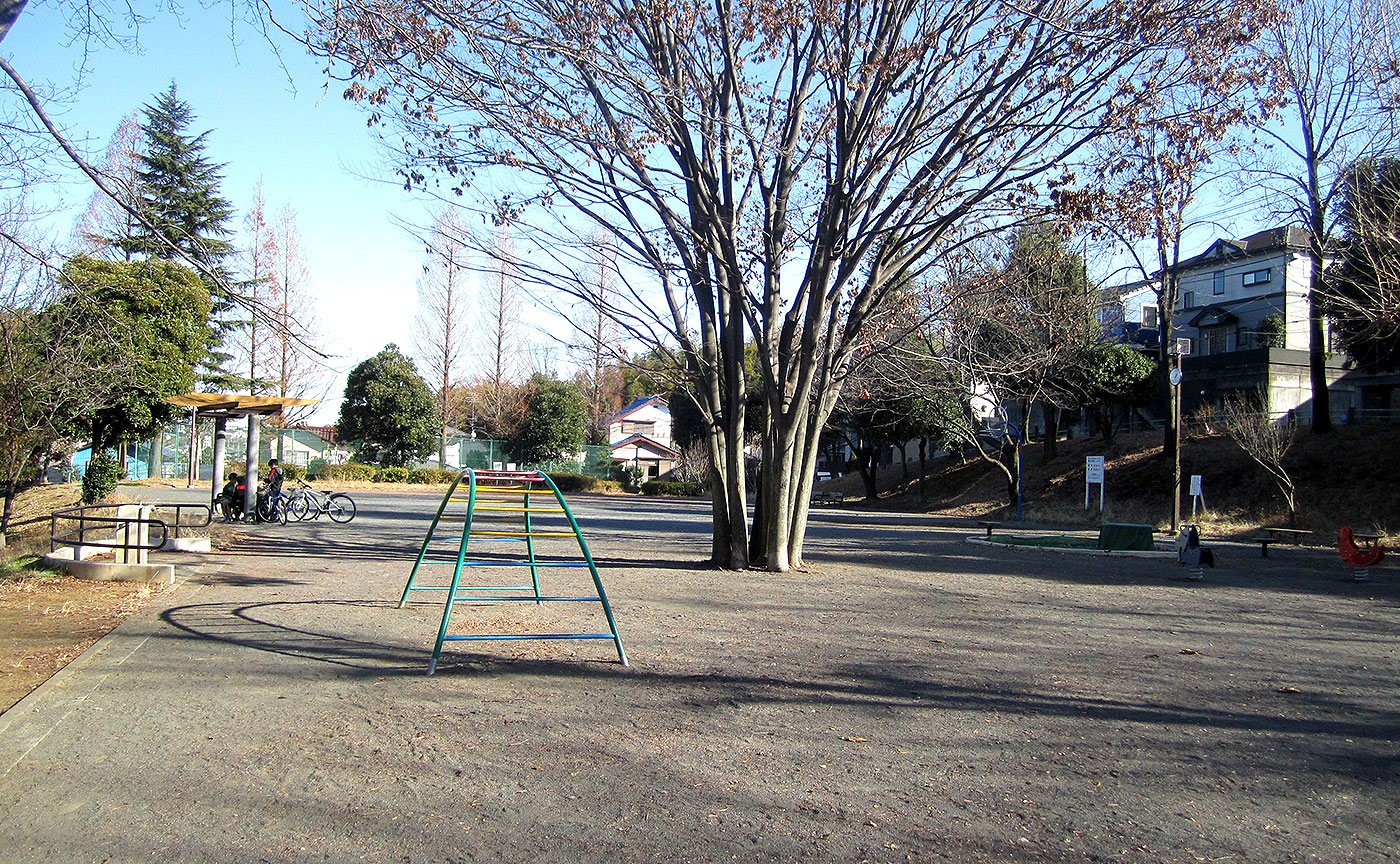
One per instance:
(179,198)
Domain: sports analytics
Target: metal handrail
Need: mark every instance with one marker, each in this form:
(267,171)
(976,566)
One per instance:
(88,523)
(180,509)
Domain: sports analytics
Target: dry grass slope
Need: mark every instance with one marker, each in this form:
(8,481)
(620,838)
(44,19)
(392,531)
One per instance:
(1349,477)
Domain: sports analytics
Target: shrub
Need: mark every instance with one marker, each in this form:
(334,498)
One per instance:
(293,472)
(100,480)
(348,471)
(688,488)
(391,475)
(573,482)
(431,475)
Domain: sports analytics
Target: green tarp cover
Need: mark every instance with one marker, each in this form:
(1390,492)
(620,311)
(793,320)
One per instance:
(1125,537)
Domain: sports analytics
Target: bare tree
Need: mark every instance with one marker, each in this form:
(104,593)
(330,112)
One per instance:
(441,335)
(249,343)
(503,357)
(1265,439)
(106,218)
(1336,62)
(1362,289)
(597,341)
(770,167)
(294,368)
(1002,338)
(1156,173)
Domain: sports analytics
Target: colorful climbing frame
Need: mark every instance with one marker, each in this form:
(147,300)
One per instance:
(505,507)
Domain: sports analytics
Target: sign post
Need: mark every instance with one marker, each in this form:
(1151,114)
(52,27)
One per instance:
(1093,473)
(1197,496)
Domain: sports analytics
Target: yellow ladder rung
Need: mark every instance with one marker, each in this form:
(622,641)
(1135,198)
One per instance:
(523,534)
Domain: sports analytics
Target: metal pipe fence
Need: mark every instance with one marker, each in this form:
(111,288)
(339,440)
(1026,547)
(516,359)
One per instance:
(101,526)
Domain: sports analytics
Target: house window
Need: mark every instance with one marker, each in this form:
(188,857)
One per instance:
(1215,339)
(631,427)
(1218,287)
(1149,316)
(1256,277)
(1188,300)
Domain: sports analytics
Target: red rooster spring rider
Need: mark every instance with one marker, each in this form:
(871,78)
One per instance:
(1360,558)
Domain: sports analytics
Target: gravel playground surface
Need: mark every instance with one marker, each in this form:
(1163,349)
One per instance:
(912,697)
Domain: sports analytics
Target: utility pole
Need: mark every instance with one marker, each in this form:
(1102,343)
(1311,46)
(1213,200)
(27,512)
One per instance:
(1178,348)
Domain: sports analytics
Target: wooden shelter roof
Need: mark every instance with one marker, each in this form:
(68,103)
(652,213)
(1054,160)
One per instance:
(235,405)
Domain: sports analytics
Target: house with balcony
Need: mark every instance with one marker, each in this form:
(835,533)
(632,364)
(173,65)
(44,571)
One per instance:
(1243,304)
(640,435)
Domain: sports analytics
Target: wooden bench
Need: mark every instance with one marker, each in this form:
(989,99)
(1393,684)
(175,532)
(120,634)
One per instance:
(1278,535)
(828,497)
(989,526)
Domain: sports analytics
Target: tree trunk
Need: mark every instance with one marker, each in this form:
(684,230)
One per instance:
(1050,450)
(923,469)
(1166,299)
(1317,350)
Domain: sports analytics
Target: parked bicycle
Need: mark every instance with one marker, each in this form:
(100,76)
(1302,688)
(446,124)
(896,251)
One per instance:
(273,508)
(304,502)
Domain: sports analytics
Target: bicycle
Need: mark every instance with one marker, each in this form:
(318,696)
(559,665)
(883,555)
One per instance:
(273,508)
(305,502)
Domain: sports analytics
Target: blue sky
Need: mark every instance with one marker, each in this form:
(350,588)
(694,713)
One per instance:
(309,146)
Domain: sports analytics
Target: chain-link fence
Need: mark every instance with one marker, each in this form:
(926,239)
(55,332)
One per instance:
(167,454)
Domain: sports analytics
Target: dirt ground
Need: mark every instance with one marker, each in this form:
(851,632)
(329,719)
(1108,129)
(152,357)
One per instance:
(47,621)
(911,697)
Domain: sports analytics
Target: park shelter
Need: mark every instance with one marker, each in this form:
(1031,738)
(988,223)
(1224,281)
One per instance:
(220,407)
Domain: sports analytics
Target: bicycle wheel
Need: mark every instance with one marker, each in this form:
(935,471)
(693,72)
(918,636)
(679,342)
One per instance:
(297,508)
(340,507)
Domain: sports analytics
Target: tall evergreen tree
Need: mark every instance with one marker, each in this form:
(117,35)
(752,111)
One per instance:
(179,196)
(1362,289)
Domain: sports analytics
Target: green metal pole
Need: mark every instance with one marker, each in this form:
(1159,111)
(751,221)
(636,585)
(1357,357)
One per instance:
(428,538)
(530,546)
(592,568)
(456,572)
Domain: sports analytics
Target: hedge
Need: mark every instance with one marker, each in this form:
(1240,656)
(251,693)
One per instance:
(575,482)
(348,471)
(688,488)
(391,475)
(431,475)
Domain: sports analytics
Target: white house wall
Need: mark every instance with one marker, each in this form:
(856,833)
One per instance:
(1296,310)
(657,415)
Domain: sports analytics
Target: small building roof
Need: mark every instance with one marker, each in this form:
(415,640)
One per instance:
(641,441)
(638,404)
(235,405)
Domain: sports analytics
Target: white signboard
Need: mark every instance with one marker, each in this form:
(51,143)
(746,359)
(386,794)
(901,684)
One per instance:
(1198,498)
(1093,473)
(1195,484)
(1093,467)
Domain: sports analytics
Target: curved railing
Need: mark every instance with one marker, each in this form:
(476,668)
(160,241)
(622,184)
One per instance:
(118,532)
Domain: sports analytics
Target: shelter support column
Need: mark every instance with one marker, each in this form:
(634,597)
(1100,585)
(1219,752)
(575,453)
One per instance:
(220,445)
(250,496)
